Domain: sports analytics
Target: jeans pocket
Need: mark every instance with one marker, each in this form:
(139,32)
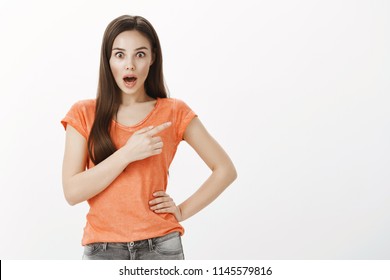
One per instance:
(92,249)
(169,247)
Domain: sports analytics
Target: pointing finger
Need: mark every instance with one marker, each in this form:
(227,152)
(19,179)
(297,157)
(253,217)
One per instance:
(159,128)
(145,129)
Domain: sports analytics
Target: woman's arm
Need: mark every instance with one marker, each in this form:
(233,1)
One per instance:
(223,174)
(80,184)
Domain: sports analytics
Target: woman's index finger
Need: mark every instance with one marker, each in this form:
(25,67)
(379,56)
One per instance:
(159,128)
(159,193)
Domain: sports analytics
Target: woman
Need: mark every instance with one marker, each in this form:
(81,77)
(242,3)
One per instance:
(119,147)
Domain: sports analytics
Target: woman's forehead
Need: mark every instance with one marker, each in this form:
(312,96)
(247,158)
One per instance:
(131,39)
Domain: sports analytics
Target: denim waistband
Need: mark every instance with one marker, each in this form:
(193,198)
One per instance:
(146,243)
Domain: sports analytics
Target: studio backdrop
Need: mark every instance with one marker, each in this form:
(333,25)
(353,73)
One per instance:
(296,92)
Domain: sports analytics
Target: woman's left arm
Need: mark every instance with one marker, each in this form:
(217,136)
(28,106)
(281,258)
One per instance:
(223,174)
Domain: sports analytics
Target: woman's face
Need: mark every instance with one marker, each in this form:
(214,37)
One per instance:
(130,60)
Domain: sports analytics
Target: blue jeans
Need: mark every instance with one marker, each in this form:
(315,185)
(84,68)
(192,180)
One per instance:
(167,247)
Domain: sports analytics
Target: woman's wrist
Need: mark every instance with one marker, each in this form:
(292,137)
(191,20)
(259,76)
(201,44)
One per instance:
(179,214)
(124,156)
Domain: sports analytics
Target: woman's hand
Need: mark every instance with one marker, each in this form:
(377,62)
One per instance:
(143,143)
(163,203)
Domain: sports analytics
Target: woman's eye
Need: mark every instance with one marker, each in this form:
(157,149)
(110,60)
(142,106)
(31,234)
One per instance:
(119,55)
(140,54)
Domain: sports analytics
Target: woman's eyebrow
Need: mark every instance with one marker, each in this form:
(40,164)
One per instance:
(119,49)
(141,48)
(137,49)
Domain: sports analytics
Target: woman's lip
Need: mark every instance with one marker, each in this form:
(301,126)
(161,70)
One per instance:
(129,76)
(130,84)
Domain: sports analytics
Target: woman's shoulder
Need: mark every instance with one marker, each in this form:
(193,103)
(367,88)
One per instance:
(82,109)
(87,105)
(177,107)
(173,102)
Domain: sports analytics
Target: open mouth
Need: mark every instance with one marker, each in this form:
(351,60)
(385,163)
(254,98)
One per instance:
(130,81)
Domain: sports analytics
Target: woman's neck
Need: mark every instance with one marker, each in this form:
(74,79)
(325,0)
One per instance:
(131,99)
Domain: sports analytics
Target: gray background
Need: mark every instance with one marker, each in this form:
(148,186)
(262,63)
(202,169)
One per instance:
(297,92)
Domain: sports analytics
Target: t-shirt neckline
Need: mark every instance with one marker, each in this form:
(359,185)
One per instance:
(158,100)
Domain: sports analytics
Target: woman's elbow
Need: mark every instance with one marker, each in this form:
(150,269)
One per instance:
(71,201)
(228,172)
(69,197)
(233,173)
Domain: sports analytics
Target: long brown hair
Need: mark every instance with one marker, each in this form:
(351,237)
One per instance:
(108,99)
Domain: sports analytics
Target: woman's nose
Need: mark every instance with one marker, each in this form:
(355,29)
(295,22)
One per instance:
(130,65)
(130,68)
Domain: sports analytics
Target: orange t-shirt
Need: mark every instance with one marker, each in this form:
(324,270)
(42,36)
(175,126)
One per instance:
(121,212)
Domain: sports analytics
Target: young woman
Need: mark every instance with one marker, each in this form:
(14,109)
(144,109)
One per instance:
(119,147)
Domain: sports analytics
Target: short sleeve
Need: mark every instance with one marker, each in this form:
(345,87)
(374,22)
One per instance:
(77,118)
(183,116)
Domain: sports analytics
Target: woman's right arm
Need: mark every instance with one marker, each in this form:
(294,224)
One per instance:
(80,184)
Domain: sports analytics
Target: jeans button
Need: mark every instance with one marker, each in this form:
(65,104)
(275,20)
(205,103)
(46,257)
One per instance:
(131,244)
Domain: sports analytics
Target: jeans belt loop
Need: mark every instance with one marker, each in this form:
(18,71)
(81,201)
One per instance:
(150,241)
